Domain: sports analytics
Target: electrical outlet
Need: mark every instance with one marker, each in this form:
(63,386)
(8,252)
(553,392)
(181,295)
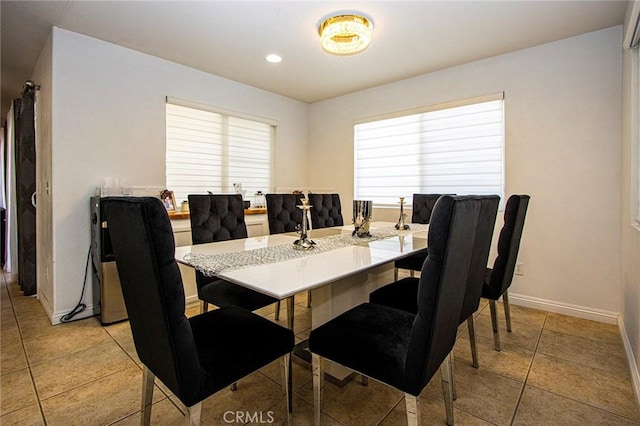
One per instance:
(519,268)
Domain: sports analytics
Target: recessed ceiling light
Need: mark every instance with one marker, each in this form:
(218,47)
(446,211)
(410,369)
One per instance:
(273,58)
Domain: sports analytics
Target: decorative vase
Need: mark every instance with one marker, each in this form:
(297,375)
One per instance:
(362,210)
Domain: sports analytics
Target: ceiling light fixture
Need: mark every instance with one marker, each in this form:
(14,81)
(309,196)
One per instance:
(345,34)
(273,58)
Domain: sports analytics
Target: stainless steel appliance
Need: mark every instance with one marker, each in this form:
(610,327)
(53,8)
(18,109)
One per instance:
(106,284)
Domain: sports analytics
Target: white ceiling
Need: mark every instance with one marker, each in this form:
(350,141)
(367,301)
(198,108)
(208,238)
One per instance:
(231,38)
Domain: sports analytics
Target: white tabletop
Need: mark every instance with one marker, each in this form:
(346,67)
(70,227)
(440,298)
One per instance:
(286,278)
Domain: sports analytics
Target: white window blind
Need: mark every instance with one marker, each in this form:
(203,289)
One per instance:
(210,151)
(457,150)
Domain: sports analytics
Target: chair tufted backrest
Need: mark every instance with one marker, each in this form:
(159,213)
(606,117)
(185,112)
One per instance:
(423,207)
(282,213)
(508,246)
(480,255)
(216,218)
(441,287)
(326,210)
(144,248)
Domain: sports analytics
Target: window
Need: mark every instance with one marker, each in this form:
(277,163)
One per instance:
(210,151)
(443,150)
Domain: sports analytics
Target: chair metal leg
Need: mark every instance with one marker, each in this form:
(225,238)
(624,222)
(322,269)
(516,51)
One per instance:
(395,274)
(192,416)
(308,298)
(147,395)
(413,409)
(278,310)
(287,384)
(447,388)
(454,392)
(412,273)
(317,368)
(364,380)
(233,387)
(204,307)
(507,309)
(290,312)
(471,325)
(494,324)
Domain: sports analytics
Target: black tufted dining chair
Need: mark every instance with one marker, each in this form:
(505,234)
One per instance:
(402,294)
(498,279)
(220,218)
(284,216)
(194,357)
(422,207)
(326,210)
(399,348)
(282,213)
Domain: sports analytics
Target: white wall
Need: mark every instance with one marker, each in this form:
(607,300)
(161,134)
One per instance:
(563,114)
(109,121)
(43,76)
(563,131)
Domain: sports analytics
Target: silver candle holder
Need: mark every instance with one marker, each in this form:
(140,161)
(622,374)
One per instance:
(401,224)
(304,243)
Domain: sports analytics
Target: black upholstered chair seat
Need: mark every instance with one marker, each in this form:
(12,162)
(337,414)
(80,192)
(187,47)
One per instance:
(498,279)
(219,217)
(422,208)
(413,262)
(224,293)
(194,357)
(375,335)
(240,333)
(400,348)
(401,294)
(488,291)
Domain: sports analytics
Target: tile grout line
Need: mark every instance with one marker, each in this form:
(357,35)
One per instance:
(587,403)
(385,415)
(15,297)
(24,349)
(526,378)
(29,366)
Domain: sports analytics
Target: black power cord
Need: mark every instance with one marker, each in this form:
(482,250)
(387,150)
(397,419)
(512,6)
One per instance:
(80,306)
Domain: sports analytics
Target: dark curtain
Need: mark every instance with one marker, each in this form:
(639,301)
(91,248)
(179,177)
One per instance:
(25,189)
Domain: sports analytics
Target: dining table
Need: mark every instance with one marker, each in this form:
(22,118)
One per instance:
(340,270)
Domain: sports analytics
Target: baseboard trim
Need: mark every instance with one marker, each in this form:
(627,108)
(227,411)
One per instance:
(89,311)
(564,308)
(633,367)
(94,310)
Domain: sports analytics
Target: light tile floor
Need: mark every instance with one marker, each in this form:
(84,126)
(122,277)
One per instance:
(552,370)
